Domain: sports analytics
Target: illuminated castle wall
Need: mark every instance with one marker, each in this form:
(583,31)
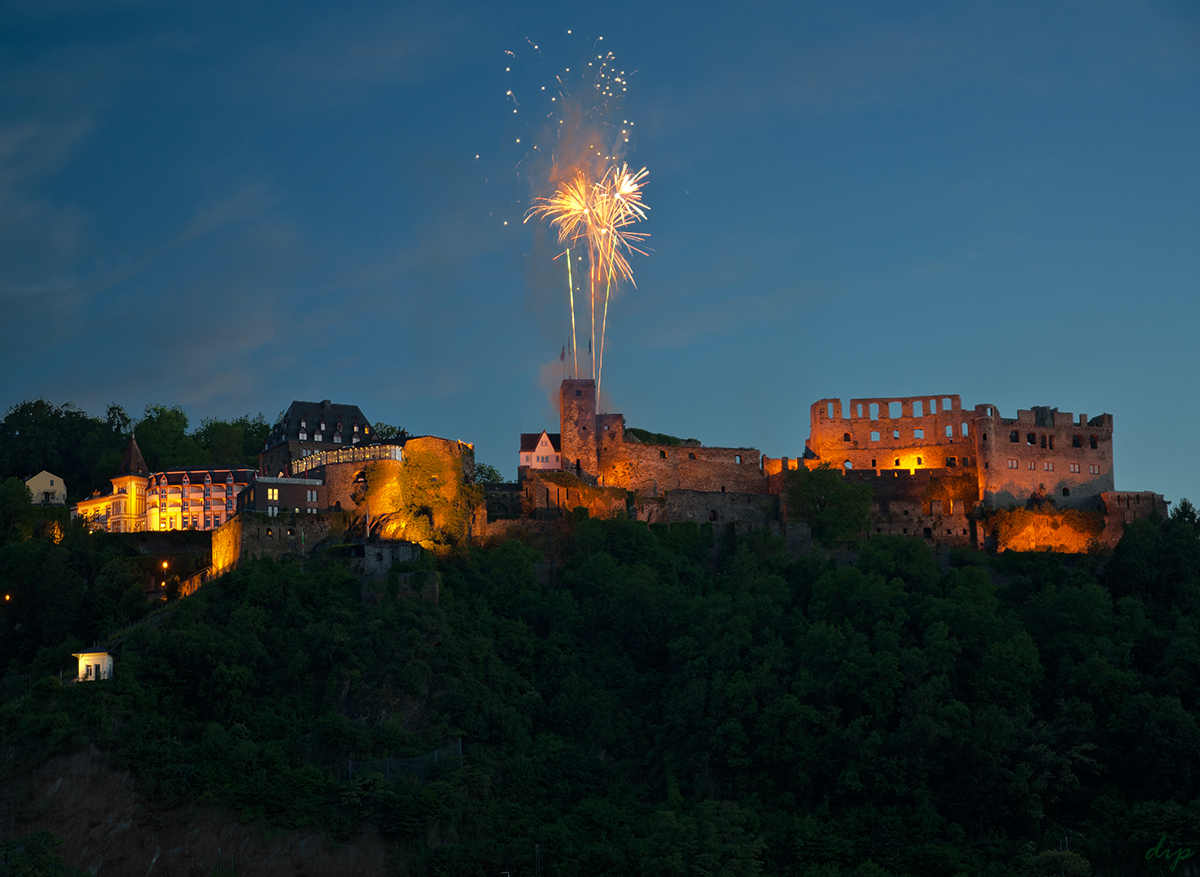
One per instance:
(1040,451)
(595,446)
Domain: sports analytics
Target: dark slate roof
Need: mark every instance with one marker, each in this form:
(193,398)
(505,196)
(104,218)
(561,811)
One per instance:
(133,463)
(288,429)
(529,440)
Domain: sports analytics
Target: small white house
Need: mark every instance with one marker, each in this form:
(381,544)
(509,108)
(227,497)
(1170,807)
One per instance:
(94,666)
(46,488)
(541,450)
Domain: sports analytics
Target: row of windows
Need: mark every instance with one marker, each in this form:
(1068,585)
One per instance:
(895,410)
(337,438)
(1047,466)
(951,462)
(167,522)
(1047,441)
(964,429)
(321,426)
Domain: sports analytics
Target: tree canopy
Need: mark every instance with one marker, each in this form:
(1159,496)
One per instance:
(651,700)
(836,508)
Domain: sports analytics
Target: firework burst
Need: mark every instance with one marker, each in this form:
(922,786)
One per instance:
(598,215)
(596,200)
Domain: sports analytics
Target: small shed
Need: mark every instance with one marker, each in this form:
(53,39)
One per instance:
(94,666)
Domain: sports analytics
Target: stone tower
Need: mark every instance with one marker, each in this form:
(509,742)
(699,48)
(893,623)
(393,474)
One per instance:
(577,408)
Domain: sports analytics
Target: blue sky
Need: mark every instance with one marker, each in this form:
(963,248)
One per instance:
(229,206)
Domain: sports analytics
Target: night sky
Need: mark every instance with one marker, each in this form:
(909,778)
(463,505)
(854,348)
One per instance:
(231,206)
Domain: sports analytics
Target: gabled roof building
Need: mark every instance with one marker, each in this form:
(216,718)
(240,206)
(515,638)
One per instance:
(182,499)
(307,428)
(540,450)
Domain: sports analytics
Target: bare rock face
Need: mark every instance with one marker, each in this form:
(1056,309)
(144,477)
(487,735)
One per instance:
(108,828)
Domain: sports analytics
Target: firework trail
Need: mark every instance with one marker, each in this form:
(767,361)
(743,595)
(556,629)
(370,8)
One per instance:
(599,215)
(597,199)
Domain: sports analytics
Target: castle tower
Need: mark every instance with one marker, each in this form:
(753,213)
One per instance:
(128,508)
(577,407)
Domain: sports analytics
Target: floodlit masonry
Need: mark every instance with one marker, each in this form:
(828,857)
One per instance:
(1041,451)
(594,446)
(929,460)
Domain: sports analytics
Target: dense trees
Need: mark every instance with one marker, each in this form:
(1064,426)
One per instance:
(85,451)
(837,509)
(663,700)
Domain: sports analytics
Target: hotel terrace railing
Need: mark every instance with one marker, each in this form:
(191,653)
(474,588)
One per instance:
(347,455)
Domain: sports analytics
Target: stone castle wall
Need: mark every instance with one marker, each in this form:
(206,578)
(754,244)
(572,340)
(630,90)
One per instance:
(1044,449)
(595,446)
(746,510)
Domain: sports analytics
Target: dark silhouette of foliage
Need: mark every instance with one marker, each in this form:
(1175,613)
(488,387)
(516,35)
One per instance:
(656,701)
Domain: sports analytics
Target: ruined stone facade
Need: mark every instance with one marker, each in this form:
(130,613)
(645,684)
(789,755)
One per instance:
(1039,452)
(595,446)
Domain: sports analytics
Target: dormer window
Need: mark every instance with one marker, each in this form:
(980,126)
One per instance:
(316,437)
(208,478)
(337,438)
(338,428)
(356,427)
(322,429)
(303,436)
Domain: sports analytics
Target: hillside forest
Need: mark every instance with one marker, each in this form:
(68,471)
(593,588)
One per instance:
(646,700)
